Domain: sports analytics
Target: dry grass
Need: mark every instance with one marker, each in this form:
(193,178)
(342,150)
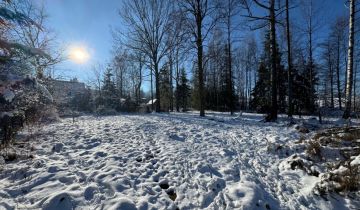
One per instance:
(341,176)
(314,149)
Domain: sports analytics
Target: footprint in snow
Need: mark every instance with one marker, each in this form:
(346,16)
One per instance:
(90,192)
(172,194)
(164,184)
(100,154)
(177,138)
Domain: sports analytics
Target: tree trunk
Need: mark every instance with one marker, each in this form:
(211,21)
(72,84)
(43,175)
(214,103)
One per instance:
(331,84)
(138,87)
(171,84)
(311,65)
(157,87)
(246,84)
(354,86)
(152,88)
(290,79)
(199,44)
(230,84)
(338,73)
(177,83)
(350,66)
(274,106)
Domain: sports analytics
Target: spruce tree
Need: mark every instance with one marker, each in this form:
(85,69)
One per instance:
(261,99)
(109,93)
(261,94)
(183,91)
(309,82)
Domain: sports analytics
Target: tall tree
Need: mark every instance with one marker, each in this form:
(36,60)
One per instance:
(269,7)
(148,22)
(109,97)
(178,47)
(338,40)
(262,92)
(311,11)
(228,11)
(36,36)
(328,56)
(198,15)
(289,59)
(350,66)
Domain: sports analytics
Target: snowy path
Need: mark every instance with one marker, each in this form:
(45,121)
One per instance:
(158,162)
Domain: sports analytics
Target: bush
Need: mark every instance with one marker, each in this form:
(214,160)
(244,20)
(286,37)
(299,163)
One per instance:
(10,124)
(314,149)
(23,102)
(101,110)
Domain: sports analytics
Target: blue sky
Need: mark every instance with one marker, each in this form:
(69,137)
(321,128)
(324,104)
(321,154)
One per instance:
(88,23)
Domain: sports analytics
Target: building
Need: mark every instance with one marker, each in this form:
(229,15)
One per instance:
(64,91)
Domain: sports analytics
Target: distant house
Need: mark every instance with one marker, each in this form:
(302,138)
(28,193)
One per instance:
(152,102)
(151,105)
(63,91)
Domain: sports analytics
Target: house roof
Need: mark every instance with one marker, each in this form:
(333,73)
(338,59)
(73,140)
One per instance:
(151,102)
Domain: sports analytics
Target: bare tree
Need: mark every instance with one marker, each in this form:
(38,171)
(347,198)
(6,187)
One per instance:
(228,11)
(96,78)
(120,68)
(311,11)
(199,22)
(290,64)
(140,60)
(178,48)
(37,36)
(350,66)
(147,22)
(328,56)
(338,38)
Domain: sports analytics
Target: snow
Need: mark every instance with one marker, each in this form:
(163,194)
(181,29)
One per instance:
(356,161)
(152,102)
(8,95)
(163,161)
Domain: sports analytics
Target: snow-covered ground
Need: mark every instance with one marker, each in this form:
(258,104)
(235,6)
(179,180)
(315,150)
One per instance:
(163,161)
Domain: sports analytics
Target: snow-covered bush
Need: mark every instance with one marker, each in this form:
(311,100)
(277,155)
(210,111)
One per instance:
(344,179)
(336,151)
(23,101)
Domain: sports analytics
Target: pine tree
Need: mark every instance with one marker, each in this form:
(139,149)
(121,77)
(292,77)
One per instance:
(261,99)
(262,92)
(109,93)
(195,95)
(183,91)
(229,94)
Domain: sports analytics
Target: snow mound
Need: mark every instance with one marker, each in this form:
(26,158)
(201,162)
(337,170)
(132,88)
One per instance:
(355,161)
(244,195)
(60,201)
(121,204)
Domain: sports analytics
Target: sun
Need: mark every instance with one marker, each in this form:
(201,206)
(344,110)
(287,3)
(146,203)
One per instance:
(79,54)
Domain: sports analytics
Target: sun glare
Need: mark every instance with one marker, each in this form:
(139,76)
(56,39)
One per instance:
(79,54)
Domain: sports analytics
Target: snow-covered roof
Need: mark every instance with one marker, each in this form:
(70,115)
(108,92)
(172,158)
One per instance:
(151,102)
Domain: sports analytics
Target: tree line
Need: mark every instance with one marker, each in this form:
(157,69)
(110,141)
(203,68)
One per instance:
(266,56)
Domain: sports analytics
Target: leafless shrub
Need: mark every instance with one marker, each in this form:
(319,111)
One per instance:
(314,149)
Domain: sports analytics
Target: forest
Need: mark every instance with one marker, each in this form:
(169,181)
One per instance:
(199,104)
